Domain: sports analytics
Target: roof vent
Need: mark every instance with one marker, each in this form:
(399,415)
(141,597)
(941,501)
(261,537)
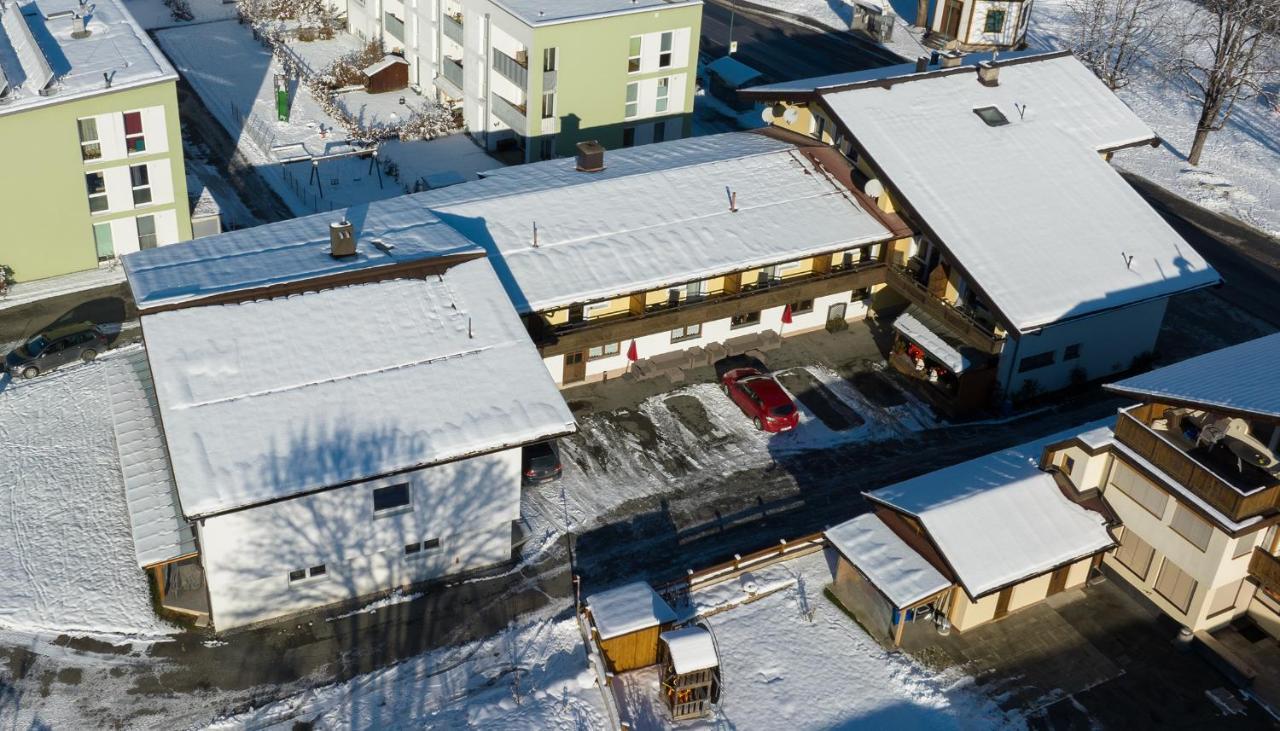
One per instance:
(922,64)
(78,28)
(988,74)
(950,59)
(590,156)
(342,239)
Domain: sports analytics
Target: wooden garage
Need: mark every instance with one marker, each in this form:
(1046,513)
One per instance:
(389,74)
(627,622)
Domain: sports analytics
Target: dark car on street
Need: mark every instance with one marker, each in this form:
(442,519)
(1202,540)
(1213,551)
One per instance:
(761,398)
(540,463)
(55,347)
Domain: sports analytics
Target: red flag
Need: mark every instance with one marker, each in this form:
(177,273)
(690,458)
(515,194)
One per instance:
(631,352)
(786,315)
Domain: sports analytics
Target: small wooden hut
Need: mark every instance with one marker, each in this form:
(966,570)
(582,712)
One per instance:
(627,623)
(690,672)
(389,74)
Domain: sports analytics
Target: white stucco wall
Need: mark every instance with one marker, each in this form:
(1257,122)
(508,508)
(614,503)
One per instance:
(468,505)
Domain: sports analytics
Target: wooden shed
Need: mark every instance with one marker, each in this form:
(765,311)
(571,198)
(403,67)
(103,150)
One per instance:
(389,74)
(628,621)
(690,672)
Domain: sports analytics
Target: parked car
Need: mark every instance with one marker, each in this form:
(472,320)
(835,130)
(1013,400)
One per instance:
(540,463)
(57,346)
(761,398)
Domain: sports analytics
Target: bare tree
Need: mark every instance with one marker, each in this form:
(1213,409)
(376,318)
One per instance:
(1228,52)
(1112,36)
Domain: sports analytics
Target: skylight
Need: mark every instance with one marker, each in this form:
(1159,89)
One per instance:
(992,116)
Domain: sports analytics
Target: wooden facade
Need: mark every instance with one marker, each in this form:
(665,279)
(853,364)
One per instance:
(633,650)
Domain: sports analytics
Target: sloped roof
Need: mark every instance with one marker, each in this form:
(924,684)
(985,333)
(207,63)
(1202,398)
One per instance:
(896,569)
(1241,379)
(628,608)
(691,649)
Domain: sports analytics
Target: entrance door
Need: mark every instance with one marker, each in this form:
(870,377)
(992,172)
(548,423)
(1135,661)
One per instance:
(951,18)
(1002,603)
(1058,581)
(836,311)
(575,367)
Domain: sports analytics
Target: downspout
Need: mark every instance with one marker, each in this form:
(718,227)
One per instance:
(486,55)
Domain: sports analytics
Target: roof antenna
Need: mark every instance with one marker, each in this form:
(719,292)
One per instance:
(733,199)
(1128,260)
(470,334)
(535,234)
(1022,109)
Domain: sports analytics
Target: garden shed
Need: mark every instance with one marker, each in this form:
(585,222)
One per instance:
(389,74)
(690,672)
(628,621)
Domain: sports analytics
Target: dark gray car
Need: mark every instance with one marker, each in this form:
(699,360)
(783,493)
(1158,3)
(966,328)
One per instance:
(57,346)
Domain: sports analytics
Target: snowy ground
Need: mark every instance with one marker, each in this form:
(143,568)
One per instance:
(795,660)
(1239,172)
(532,676)
(67,563)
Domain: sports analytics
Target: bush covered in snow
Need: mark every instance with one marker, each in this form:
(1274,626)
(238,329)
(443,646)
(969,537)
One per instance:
(348,70)
(180,9)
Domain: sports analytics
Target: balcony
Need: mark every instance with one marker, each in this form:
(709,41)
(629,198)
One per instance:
(968,327)
(513,115)
(1209,472)
(515,70)
(1265,569)
(451,70)
(714,305)
(451,25)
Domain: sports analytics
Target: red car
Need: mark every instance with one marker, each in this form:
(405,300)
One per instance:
(761,398)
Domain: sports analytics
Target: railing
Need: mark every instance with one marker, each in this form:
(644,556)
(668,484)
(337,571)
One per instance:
(452,27)
(451,70)
(1266,569)
(511,115)
(970,329)
(511,69)
(1190,472)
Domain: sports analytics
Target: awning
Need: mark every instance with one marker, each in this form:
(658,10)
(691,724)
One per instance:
(923,330)
(896,569)
(160,533)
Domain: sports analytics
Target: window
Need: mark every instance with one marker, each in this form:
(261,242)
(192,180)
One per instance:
(819,126)
(102,241)
(417,549)
(995,22)
(659,131)
(1033,362)
(550,59)
(801,307)
(664,94)
(134,140)
(664,50)
(548,104)
(1135,554)
(1191,526)
(1244,546)
(1175,585)
(1224,599)
(1124,479)
(390,497)
(628,136)
(695,290)
(992,116)
(96,186)
(602,351)
(146,232)
(633,55)
(747,318)
(90,147)
(688,332)
(1068,464)
(633,100)
(1072,352)
(314,572)
(141,182)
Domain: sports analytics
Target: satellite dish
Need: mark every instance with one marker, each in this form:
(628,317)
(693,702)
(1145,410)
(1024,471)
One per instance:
(873,188)
(791,115)
(767,114)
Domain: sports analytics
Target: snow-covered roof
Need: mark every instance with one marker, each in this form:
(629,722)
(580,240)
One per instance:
(628,608)
(546,12)
(999,519)
(288,251)
(808,87)
(691,649)
(272,398)
(1030,211)
(387,62)
(160,533)
(37,51)
(734,72)
(925,331)
(1241,378)
(895,568)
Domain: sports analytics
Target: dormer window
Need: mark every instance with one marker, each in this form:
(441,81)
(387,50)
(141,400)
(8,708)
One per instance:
(992,116)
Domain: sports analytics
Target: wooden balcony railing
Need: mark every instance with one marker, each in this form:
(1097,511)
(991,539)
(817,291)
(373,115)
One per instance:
(1189,472)
(1266,569)
(972,331)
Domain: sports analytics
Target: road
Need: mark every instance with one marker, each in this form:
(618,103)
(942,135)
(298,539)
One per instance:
(783,50)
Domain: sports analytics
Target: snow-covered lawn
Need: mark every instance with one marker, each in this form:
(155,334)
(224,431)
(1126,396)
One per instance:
(795,660)
(534,675)
(67,562)
(1239,172)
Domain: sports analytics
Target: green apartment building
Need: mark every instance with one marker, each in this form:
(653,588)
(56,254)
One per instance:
(542,75)
(90,144)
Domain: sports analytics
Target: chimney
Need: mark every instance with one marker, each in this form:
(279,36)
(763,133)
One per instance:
(950,59)
(590,156)
(342,240)
(78,29)
(922,64)
(988,74)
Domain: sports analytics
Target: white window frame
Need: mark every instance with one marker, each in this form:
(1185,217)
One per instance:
(86,144)
(405,507)
(608,350)
(634,58)
(145,188)
(142,124)
(153,237)
(551,59)
(102,196)
(662,95)
(418,549)
(548,105)
(631,108)
(666,39)
(319,572)
(688,332)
